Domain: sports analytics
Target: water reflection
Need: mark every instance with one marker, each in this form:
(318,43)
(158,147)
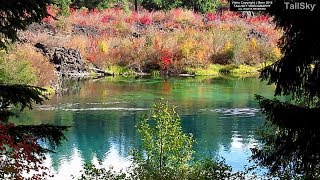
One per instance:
(222,114)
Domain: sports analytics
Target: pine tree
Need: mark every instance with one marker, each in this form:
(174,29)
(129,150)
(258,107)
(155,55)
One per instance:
(291,136)
(20,151)
(17,15)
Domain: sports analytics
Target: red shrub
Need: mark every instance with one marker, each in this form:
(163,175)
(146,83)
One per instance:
(212,16)
(146,20)
(105,19)
(20,155)
(91,58)
(166,59)
(52,11)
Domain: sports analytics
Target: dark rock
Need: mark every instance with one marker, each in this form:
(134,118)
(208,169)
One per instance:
(85,30)
(42,28)
(48,52)
(256,34)
(136,35)
(68,62)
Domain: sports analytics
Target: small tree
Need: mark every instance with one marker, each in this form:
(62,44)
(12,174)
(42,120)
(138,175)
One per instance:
(167,149)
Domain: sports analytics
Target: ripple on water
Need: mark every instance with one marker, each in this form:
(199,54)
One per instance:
(93,106)
(241,112)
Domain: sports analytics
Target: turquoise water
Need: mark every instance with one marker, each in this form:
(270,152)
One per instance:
(221,113)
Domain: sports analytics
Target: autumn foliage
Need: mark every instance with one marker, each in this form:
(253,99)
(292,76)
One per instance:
(20,155)
(169,41)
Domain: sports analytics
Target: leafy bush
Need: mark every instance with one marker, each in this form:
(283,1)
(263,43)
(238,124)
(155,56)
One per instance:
(205,5)
(211,169)
(92,172)
(15,71)
(64,6)
(42,69)
(91,4)
(168,150)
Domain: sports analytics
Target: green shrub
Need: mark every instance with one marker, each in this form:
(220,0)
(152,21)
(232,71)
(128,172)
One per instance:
(168,150)
(15,71)
(155,73)
(64,5)
(244,69)
(204,5)
(91,4)
(211,70)
(120,70)
(228,69)
(92,172)
(211,169)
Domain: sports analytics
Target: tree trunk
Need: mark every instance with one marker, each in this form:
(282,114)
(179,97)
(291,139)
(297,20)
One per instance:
(136,5)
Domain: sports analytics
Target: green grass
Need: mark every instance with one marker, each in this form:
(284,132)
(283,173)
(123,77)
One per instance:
(211,70)
(155,74)
(231,69)
(120,70)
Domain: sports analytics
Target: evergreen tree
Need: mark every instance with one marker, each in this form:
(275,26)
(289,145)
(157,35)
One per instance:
(291,136)
(20,151)
(17,15)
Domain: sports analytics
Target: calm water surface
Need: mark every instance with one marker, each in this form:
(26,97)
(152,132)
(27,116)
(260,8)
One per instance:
(221,113)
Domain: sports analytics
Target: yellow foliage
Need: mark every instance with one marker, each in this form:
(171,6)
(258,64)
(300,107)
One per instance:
(276,52)
(200,54)
(187,47)
(253,43)
(103,46)
(227,46)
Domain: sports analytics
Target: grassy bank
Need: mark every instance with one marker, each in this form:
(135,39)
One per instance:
(157,43)
(210,70)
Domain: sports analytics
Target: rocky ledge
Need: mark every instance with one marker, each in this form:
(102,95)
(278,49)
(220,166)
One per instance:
(68,62)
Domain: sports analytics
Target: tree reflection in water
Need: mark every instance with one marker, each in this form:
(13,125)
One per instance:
(290,141)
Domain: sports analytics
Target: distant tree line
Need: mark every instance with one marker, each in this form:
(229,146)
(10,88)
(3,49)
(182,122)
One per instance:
(196,5)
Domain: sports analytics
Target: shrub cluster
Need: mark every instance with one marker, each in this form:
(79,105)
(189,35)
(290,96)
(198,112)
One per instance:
(169,42)
(22,64)
(197,5)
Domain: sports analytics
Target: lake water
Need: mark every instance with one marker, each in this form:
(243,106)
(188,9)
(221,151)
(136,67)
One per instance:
(221,113)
